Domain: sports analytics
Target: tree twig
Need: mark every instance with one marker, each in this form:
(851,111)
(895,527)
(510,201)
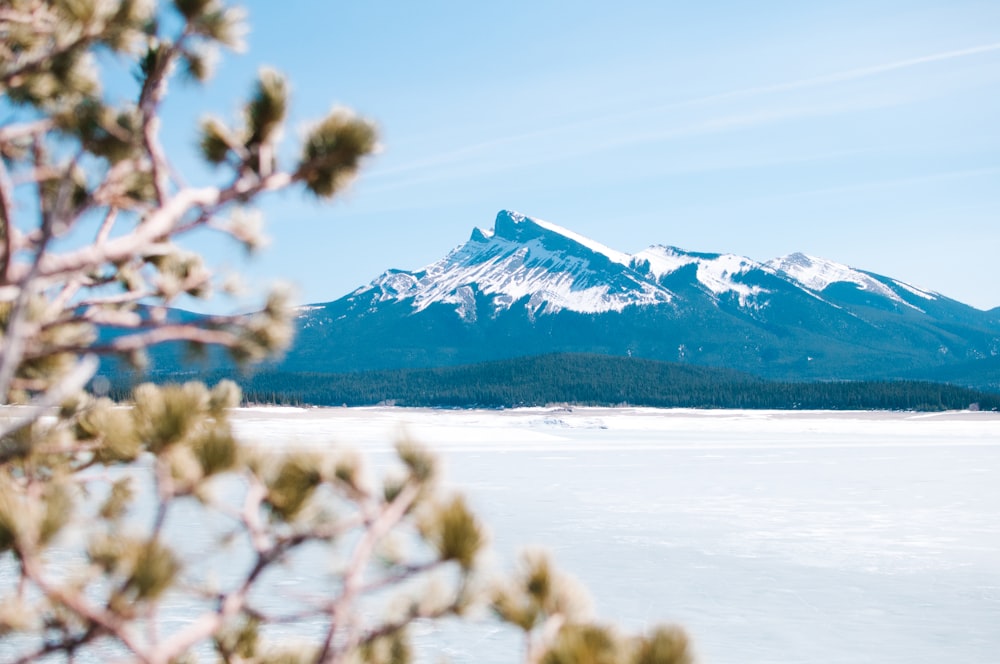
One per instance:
(352,583)
(71,383)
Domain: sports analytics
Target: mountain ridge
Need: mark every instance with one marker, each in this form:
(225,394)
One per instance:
(528,286)
(528,252)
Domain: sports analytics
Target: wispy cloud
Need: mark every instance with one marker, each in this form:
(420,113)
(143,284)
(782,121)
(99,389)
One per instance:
(838,77)
(460,159)
(450,170)
(915,180)
(870,186)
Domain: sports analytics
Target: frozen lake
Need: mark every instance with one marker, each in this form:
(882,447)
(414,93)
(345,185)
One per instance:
(772,537)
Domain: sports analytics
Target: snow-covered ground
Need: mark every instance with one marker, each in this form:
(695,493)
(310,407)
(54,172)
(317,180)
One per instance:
(771,536)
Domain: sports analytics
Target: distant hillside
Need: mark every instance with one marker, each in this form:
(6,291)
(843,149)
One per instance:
(983,374)
(587,379)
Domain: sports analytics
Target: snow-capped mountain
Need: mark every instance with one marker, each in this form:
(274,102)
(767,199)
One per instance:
(552,267)
(557,270)
(527,286)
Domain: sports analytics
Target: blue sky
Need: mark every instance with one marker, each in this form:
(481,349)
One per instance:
(863,132)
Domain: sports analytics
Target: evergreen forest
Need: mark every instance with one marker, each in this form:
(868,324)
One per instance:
(582,379)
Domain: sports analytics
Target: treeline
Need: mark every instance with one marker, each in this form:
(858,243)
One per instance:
(582,379)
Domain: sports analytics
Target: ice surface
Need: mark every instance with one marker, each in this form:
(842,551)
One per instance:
(772,537)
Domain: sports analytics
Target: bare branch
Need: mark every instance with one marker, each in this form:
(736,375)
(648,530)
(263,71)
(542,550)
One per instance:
(66,645)
(153,89)
(165,333)
(105,230)
(69,290)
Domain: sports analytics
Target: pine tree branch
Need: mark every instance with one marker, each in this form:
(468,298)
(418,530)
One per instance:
(107,621)
(402,574)
(165,333)
(340,616)
(71,383)
(6,223)
(231,604)
(153,89)
(13,132)
(16,332)
(67,645)
(158,224)
(13,76)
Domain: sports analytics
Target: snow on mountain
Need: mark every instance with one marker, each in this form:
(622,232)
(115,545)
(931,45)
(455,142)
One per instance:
(524,258)
(715,272)
(927,295)
(550,268)
(816,274)
(612,254)
(527,287)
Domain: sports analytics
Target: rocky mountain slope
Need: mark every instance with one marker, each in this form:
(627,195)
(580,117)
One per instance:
(528,287)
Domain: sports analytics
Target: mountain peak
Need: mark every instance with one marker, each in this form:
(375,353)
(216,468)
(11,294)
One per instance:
(816,273)
(480,235)
(510,225)
(798,259)
(516,227)
(545,267)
